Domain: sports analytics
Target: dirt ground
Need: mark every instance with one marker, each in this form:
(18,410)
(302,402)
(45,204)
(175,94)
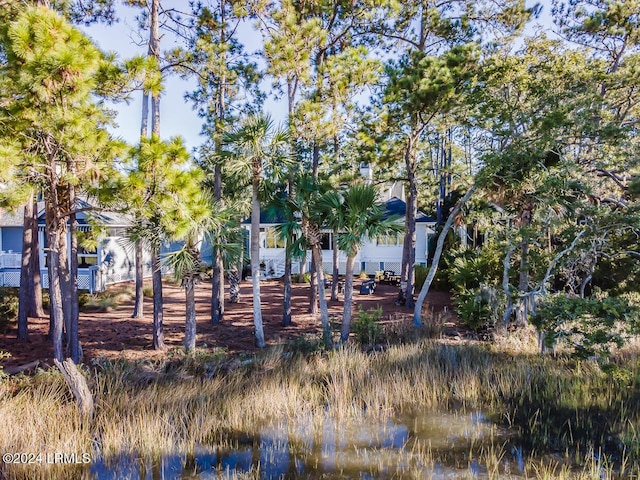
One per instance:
(115,334)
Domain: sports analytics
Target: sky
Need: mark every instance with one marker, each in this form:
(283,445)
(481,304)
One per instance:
(177,115)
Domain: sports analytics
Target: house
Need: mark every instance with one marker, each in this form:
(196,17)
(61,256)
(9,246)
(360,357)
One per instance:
(112,261)
(383,253)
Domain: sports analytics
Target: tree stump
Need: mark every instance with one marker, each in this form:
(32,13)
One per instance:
(78,385)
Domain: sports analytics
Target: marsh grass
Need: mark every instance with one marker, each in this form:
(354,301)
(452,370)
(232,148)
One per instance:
(554,405)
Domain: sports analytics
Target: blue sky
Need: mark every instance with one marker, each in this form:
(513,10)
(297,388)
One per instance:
(177,116)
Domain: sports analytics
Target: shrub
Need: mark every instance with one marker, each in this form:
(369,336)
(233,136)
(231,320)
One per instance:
(301,278)
(479,308)
(366,326)
(421,275)
(589,326)
(8,307)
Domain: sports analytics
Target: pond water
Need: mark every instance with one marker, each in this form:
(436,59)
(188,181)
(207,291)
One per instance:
(422,445)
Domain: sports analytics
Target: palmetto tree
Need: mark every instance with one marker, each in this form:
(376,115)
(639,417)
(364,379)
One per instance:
(307,203)
(197,219)
(257,149)
(355,214)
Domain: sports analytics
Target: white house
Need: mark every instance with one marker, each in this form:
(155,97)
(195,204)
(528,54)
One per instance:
(376,254)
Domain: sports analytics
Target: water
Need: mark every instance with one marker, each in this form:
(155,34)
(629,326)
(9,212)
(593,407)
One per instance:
(421,445)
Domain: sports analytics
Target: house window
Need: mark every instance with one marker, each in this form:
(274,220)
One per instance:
(389,240)
(273,240)
(327,241)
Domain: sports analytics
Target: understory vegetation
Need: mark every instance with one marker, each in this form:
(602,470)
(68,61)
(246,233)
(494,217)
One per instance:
(561,406)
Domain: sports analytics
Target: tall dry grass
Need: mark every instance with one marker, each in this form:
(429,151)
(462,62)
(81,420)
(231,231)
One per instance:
(179,403)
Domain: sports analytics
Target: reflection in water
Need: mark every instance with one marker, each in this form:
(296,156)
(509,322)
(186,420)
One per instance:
(425,445)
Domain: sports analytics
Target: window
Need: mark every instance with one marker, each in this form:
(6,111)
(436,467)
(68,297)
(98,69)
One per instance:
(327,241)
(273,240)
(390,240)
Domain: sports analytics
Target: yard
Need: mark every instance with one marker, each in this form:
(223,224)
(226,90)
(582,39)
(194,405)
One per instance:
(114,334)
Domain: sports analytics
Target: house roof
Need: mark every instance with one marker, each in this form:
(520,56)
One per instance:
(15,218)
(395,206)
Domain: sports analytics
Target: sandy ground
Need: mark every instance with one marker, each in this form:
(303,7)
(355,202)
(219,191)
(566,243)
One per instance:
(115,334)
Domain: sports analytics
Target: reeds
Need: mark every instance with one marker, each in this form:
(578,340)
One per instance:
(152,408)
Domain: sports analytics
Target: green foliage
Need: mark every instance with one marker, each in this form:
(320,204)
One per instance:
(301,278)
(589,326)
(421,272)
(479,307)
(306,344)
(3,355)
(8,307)
(366,326)
(474,276)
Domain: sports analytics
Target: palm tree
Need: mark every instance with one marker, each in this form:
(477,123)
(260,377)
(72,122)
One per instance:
(296,246)
(355,215)
(186,263)
(306,201)
(258,150)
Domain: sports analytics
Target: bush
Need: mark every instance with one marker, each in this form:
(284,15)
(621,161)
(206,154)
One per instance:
(474,274)
(301,278)
(589,326)
(366,326)
(479,308)
(421,272)
(8,307)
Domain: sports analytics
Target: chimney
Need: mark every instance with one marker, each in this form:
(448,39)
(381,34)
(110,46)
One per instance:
(366,172)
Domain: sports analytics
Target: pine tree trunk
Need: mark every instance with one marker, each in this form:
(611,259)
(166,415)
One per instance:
(506,262)
(158,317)
(37,309)
(348,301)
(74,338)
(65,281)
(523,304)
(255,264)
(217,280)
(190,325)
(408,245)
(30,293)
(56,314)
(144,126)
(138,309)
(316,252)
(154,50)
(412,211)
